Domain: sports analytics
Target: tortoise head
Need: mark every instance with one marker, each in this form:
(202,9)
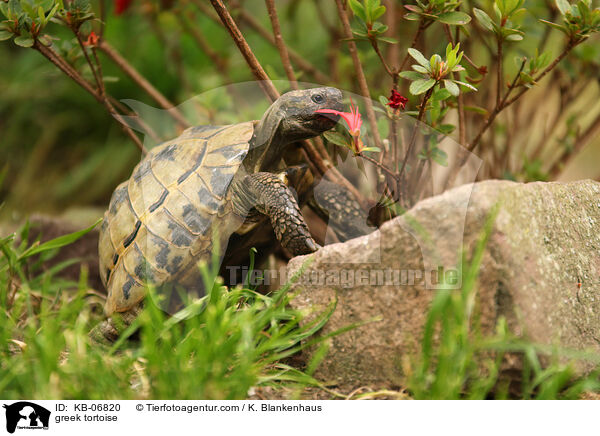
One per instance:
(292,118)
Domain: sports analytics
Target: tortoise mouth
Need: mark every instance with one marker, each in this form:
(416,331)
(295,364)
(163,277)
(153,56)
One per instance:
(328,119)
(326,122)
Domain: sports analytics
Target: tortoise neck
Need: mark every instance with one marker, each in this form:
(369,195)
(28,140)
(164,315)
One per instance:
(268,143)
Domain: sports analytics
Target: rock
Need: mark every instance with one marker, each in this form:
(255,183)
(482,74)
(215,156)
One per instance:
(544,243)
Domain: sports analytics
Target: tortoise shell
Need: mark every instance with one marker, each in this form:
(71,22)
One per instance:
(160,222)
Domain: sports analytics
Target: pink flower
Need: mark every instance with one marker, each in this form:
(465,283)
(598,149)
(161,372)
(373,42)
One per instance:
(352,118)
(354,121)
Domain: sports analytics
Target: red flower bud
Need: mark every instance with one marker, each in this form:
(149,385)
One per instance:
(121,6)
(92,40)
(397,100)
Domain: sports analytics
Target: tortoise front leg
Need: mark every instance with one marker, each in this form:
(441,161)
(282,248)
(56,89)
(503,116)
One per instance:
(268,194)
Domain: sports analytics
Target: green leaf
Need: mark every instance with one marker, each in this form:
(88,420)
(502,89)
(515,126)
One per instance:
(45,39)
(563,6)
(61,241)
(379,27)
(435,60)
(512,6)
(501,5)
(450,56)
(358,9)
(359,29)
(412,16)
(446,129)
(514,37)
(466,85)
(439,156)
(477,110)
(420,69)
(383,100)
(53,11)
(24,40)
(484,19)
(413,8)
(5,34)
(421,86)
(497,11)
(378,12)
(31,13)
(15,9)
(526,78)
(455,18)
(387,39)
(542,60)
(418,56)
(373,149)
(411,75)
(336,138)
(441,94)
(563,29)
(452,87)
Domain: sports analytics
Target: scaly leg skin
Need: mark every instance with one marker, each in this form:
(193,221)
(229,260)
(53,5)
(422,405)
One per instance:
(109,330)
(268,194)
(336,205)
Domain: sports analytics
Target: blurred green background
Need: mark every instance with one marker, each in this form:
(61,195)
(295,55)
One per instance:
(59,148)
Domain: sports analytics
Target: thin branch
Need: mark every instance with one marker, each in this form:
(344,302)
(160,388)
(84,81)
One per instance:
(549,68)
(102,18)
(513,84)
(97,73)
(462,122)
(246,18)
(142,82)
(413,44)
(203,43)
(281,47)
(257,70)
(574,91)
(507,102)
(272,93)
(380,165)
(97,77)
(391,72)
(413,137)
(392,21)
(57,60)
(334,46)
(362,81)
(172,46)
(499,74)
(297,58)
(592,132)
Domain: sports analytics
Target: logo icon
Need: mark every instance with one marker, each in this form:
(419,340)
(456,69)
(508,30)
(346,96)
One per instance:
(26,415)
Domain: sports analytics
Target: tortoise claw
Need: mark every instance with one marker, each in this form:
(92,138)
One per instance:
(312,245)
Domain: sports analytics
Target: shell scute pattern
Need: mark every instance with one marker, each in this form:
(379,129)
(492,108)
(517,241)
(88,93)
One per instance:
(188,155)
(144,193)
(159,223)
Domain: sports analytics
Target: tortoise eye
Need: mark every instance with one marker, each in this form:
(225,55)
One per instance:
(317,98)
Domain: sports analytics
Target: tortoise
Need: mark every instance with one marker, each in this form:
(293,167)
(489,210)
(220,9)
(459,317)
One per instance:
(210,180)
